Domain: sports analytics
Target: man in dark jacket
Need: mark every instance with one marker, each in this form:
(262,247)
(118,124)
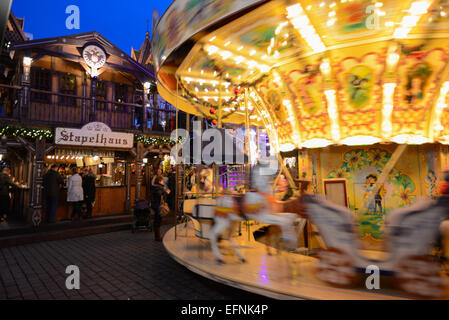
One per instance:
(52,184)
(5,184)
(89,191)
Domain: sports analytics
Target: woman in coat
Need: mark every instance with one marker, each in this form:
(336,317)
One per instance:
(157,192)
(75,193)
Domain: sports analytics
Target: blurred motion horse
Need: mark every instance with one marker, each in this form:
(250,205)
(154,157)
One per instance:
(258,205)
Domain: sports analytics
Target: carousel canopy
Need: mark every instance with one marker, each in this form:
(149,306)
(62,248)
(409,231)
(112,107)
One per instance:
(313,73)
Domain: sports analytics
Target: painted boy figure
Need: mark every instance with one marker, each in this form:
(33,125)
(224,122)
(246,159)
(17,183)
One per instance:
(375,206)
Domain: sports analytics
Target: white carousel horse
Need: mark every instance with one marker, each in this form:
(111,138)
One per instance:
(410,234)
(255,205)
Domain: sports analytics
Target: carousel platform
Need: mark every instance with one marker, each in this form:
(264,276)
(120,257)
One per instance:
(282,276)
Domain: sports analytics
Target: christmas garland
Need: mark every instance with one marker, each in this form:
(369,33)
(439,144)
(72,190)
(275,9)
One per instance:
(148,140)
(33,133)
(29,133)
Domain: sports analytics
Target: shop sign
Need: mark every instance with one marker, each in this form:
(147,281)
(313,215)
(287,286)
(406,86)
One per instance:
(84,153)
(95,134)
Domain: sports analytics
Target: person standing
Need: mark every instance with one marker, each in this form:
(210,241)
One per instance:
(89,190)
(5,184)
(75,194)
(52,184)
(157,192)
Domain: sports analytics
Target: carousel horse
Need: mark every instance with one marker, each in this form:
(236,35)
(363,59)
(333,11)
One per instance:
(410,235)
(292,205)
(258,205)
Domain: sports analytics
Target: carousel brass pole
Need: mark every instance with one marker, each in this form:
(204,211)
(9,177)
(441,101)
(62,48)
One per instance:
(219,107)
(217,167)
(248,150)
(176,165)
(247,135)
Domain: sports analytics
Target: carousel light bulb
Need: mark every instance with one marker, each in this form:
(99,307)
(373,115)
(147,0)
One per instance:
(212,50)
(226,55)
(239,59)
(393,59)
(325,67)
(419,7)
(410,21)
(294,10)
(331,22)
(401,33)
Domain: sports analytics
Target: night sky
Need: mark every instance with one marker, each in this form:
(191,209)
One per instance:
(123,22)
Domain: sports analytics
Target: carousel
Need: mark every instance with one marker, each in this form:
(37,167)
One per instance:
(354,92)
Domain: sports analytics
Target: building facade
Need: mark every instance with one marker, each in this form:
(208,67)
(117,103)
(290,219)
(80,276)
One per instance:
(79,101)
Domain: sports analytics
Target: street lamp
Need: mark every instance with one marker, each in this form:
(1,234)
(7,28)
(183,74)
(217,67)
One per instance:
(26,69)
(27,61)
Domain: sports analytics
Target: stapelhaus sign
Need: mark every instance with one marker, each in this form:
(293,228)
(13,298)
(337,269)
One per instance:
(95,134)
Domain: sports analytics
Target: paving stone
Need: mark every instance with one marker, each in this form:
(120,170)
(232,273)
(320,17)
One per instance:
(113,266)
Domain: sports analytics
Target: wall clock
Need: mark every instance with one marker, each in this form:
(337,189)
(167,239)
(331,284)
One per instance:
(94,56)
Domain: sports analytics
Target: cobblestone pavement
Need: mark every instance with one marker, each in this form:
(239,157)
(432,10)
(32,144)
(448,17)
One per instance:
(117,265)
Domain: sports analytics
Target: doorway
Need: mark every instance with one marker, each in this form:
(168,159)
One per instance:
(335,191)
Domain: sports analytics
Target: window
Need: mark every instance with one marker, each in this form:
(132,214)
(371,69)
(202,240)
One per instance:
(121,95)
(41,80)
(101,94)
(68,86)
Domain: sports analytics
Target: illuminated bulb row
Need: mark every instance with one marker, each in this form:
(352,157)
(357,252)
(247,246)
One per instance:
(291,118)
(272,42)
(333,114)
(288,105)
(441,105)
(214,83)
(215,98)
(63,157)
(417,9)
(387,109)
(301,22)
(211,50)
